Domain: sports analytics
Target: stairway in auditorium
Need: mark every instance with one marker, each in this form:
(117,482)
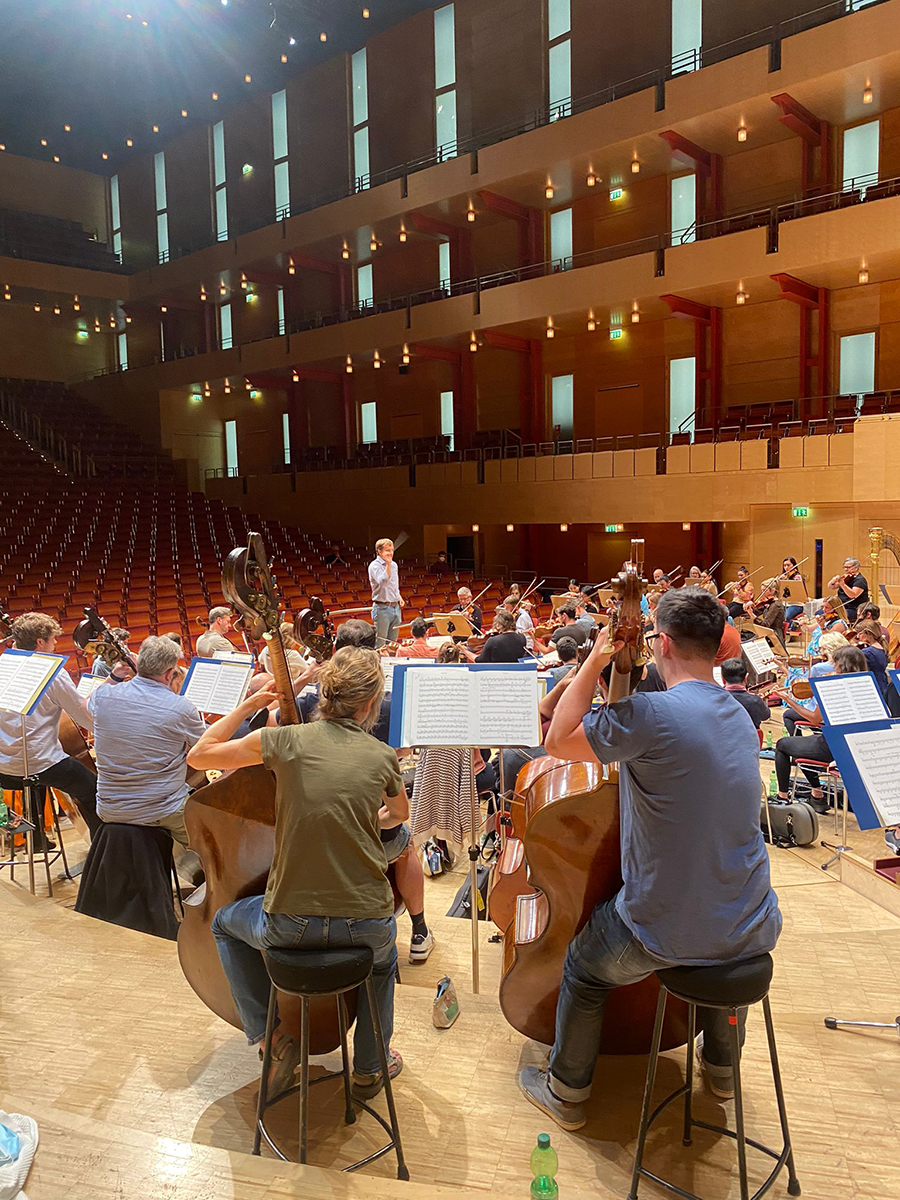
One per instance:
(149,555)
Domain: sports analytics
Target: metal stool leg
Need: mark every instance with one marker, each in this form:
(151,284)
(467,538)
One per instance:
(264,1076)
(349,1113)
(738,1103)
(793,1181)
(304,1077)
(686,1138)
(402,1169)
(54,808)
(648,1092)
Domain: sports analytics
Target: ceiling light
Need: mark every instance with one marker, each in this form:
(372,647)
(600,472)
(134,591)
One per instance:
(163,308)
(292,41)
(56,158)
(248,79)
(475,528)
(37,308)
(685,525)
(365,14)
(129,142)
(284,58)
(742,133)
(67,128)
(348,367)
(563,529)
(863,275)
(591,179)
(128,320)
(323,37)
(548,191)
(868,94)
(2,145)
(510,528)
(155,128)
(635,167)
(184,112)
(56,310)
(215,95)
(741,297)
(43,141)
(144,23)
(104,156)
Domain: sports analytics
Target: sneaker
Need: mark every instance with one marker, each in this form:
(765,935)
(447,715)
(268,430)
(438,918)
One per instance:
(535,1084)
(892,839)
(818,803)
(421,946)
(283,1067)
(719,1080)
(366,1086)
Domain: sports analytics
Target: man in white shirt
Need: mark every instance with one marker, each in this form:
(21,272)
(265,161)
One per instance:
(41,755)
(142,733)
(387,601)
(214,639)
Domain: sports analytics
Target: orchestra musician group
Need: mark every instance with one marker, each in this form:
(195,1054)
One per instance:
(689,781)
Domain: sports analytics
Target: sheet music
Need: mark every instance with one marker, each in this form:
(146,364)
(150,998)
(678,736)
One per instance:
(849,699)
(240,656)
(759,654)
(438,707)
(877,757)
(507,712)
(717,676)
(88,684)
(23,676)
(217,686)
(388,664)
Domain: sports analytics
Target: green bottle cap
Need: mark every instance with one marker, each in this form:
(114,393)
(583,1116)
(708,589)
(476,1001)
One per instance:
(543,1141)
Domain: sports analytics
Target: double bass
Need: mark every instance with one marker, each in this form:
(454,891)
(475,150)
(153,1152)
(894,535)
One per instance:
(231,822)
(571,843)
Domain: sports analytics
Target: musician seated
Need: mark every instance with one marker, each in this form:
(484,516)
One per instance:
(419,647)
(334,558)
(40,755)
(585,613)
(790,572)
(142,733)
(743,592)
(730,643)
(870,640)
(734,678)
(852,587)
(800,709)
(871,612)
(689,794)
(214,639)
(813,746)
(827,620)
(472,611)
(567,650)
(503,645)
(179,642)
(568,627)
(694,577)
(99,668)
(336,787)
(768,610)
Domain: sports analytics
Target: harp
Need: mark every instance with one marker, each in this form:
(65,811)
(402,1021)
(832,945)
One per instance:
(884,557)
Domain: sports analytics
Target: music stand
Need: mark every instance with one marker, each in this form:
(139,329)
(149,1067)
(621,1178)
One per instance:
(794,591)
(462,625)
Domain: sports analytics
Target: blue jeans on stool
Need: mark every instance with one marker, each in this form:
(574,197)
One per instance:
(607,955)
(244,928)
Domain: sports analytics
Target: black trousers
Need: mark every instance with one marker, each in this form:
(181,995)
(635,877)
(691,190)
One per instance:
(812,746)
(69,776)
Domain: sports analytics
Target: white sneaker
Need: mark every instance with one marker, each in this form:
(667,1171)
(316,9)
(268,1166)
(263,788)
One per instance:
(719,1080)
(535,1084)
(420,947)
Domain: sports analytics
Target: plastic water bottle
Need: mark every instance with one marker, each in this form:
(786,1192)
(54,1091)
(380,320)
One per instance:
(773,786)
(769,744)
(544,1165)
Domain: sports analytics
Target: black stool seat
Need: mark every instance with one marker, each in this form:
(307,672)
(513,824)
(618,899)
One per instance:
(319,972)
(736,985)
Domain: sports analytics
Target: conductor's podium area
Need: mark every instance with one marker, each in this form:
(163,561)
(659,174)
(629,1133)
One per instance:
(139,1091)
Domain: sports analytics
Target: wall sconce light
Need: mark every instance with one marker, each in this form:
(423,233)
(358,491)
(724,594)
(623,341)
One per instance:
(868,94)
(591,322)
(37,308)
(510,528)
(163,308)
(473,343)
(635,313)
(548,191)
(475,528)
(223,290)
(323,37)
(741,297)
(284,58)
(591,179)
(345,251)
(376,360)
(635,166)
(373,243)
(402,234)
(348,367)
(551,332)
(128,320)
(405,355)
(863,275)
(247,385)
(56,311)
(742,133)
(563,529)
(295,376)
(227,387)
(248,79)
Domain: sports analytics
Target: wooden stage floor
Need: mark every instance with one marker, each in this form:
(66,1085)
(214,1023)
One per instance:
(139,1091)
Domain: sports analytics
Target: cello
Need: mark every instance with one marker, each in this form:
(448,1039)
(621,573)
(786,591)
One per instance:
(574,862)
(231,822)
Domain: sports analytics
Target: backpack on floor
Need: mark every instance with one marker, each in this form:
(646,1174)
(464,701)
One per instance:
(794,823)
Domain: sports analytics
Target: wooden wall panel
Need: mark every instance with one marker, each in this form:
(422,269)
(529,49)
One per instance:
(725,22)
(762,175)
(42,346)
(761,345)
(400,65)
(137,207)
(27,185)
(636,41)
(642,212)
(248,139)
(501,64)
(499,378)
(189,188)
(318,130)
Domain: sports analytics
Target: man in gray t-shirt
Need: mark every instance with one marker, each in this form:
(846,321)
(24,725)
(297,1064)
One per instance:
(695,871)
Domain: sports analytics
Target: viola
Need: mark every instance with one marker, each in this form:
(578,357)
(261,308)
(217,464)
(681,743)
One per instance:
(571,840)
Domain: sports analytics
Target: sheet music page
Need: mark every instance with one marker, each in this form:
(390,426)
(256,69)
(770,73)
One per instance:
(199,687)
(877,757)
(88,684)
(717,676)
(22,677)
(507,709)
(759,652)
(230,687)
(240,656)
(849,699)
(437,708)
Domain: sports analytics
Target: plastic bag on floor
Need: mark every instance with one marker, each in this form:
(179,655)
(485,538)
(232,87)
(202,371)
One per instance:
(18,1143)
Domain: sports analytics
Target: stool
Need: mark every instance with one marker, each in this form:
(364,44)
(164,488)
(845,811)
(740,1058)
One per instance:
(834,782)
(48,856)
(726,988)
(308,973)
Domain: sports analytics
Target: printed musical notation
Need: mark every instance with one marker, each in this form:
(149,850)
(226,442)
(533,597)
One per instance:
(876,753)
(453,706)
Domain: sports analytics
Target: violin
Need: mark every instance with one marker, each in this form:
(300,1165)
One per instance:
(94,636)
(571,840)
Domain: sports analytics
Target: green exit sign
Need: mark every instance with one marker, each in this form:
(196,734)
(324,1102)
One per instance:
(613,528)
(801,510)
(616,193)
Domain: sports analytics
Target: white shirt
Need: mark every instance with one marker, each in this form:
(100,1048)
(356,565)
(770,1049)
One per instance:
(525,626)
(42,747)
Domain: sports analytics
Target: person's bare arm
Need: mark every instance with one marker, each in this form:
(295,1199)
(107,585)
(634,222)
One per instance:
(566,738)
(394,810)
(215,750)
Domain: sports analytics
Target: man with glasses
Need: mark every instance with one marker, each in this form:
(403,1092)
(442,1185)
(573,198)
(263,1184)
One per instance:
(695,870)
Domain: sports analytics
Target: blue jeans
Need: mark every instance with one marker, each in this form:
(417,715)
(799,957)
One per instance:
(387,623)
(607,955)
(244,928)
(792,612)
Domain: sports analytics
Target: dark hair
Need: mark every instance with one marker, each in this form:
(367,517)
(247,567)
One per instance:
(744,569)
(848,659)
(734,670)
(448,653)
(789,558)
(418,628)
(568,610)
(574,583)
(870,610)
(176,638)
(694,620)
(567,649)
(355,633)
(504,622)
(873,629)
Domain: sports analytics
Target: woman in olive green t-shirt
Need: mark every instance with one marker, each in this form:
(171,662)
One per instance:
(335,787)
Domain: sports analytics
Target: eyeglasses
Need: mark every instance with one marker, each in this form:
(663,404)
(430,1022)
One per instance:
(650,637)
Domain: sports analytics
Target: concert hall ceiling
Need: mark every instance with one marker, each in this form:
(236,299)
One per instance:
(80,79)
